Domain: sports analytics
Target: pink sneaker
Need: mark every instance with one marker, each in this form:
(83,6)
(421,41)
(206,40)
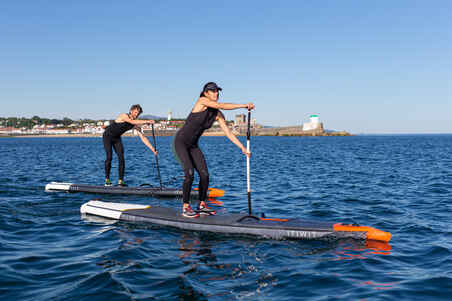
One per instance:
(189,212)
(204,209)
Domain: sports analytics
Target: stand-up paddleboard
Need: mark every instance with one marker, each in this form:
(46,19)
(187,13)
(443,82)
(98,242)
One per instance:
(140,190)
(243,224)
(144,189)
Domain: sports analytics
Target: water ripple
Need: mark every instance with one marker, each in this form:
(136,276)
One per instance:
(48,251)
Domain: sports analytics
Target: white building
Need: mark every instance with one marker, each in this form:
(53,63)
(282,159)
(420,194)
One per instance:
(10,130)
(313,124)
(57,131)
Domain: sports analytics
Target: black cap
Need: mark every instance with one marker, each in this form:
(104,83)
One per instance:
(211,86)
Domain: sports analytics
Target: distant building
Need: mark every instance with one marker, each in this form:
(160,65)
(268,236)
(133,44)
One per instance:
(170,115)
(313,124)
(240,119)
(57,131)
(91,129)
(10,130)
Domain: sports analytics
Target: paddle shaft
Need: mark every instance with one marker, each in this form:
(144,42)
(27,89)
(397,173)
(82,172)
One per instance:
(156,157)
(248,134)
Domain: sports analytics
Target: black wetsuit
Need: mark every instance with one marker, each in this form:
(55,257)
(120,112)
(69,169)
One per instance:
(112,138)
(190,156)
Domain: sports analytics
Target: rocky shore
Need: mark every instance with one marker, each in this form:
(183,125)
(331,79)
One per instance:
(297,131)
(275,131)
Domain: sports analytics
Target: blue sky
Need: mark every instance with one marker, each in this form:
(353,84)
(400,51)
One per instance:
(363,66)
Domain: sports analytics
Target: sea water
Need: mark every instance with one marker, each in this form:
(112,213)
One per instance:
(400,183)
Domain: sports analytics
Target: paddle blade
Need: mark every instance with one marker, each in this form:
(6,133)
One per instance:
(213,192)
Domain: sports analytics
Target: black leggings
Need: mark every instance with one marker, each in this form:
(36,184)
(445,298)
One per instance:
(116,143)
(191,158)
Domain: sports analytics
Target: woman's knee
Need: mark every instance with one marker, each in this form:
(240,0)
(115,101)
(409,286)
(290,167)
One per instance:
(189,174)
(204,175)
(121,157)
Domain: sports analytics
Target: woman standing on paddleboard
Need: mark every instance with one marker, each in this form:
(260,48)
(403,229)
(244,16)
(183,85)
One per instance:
(185,144)
(112,139)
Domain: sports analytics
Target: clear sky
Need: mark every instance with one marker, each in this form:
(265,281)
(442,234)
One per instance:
(363,66)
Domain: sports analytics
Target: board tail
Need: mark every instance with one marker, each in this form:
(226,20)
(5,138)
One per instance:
(372,233)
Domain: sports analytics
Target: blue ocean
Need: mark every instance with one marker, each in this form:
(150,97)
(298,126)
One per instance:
(396,183)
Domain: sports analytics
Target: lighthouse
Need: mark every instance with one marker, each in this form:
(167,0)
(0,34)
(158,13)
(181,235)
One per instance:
(170,115)
(313,124)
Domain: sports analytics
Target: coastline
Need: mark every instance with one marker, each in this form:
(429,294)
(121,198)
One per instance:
(274,133)
(52,136)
